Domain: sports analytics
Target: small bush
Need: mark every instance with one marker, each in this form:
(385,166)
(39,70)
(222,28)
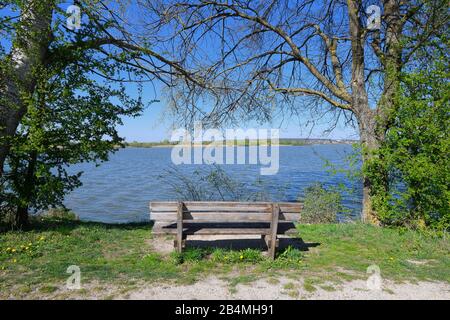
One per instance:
(60,214)
(194,254)
(321,205)
(189,255)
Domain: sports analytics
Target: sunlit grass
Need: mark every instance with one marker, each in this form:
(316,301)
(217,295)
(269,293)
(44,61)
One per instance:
(37,260)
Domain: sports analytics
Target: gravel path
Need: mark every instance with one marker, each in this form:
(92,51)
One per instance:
(214,288)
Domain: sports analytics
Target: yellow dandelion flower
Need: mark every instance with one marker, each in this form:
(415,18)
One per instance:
(242,257)
(13,250)
(14,260)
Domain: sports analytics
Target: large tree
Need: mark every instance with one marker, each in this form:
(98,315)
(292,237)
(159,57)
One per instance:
(71,118)
(258,56)
(227,60)
(35,38)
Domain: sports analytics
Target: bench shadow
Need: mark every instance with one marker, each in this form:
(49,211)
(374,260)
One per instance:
(241,244)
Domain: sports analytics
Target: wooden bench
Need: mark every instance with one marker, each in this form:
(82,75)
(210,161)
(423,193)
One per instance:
(225,218)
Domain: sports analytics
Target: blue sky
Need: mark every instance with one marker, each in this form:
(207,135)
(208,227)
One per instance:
(155,125)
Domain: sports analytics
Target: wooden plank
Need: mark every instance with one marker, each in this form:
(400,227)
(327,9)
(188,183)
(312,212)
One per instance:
(222,216)
(287,216)
(229,231)
(223,231)
(211,216)
(179,240)
(288,207)
(223,206)
(274,230)
(215,231)
(228,228)
(211,206)
(284,228)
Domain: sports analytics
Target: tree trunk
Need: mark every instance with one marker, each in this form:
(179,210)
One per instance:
(18,79)
(374,123)
(26,194)
(370,144)
(22,217)
(360,105)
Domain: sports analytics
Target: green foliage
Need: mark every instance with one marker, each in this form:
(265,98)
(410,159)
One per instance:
(75,100)
(416,152)
(59,214)
(236,256)
(321,205)
(71,118)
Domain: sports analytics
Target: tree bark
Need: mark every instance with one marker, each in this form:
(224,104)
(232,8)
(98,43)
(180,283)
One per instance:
(27,190)
(22,220)
(370,144)
(360,103)
(373,123)
(18,79)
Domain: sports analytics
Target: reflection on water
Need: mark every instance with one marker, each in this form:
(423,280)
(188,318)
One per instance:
(119,190)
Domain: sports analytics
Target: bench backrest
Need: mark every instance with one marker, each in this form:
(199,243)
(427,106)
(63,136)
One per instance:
(224,211)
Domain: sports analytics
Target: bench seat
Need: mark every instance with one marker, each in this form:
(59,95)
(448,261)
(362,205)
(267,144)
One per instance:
(287,228)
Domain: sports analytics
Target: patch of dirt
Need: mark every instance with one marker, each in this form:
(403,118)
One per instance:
(420,262)
(161,244)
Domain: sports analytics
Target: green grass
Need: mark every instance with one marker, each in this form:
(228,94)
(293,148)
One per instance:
(356,246)
(37,260)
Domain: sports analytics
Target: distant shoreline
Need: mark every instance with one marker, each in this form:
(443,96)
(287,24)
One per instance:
(239,143)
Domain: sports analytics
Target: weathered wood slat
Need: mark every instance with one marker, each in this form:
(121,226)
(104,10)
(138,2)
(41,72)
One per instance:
(274,230)
(223,206)
(211,216)
(213,231)
(285,228)
(228,231)
(210,206)
(179,240)
(222,216)
(224,231)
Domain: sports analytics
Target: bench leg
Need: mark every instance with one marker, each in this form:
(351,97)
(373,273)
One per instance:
(179,240)
(274,230)
(175,244)
(272,248)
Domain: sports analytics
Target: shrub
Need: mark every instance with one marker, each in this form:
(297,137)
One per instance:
(321,205)
(60,214)
(416,152)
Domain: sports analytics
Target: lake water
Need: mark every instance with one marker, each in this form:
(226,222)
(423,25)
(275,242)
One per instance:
(119,190)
